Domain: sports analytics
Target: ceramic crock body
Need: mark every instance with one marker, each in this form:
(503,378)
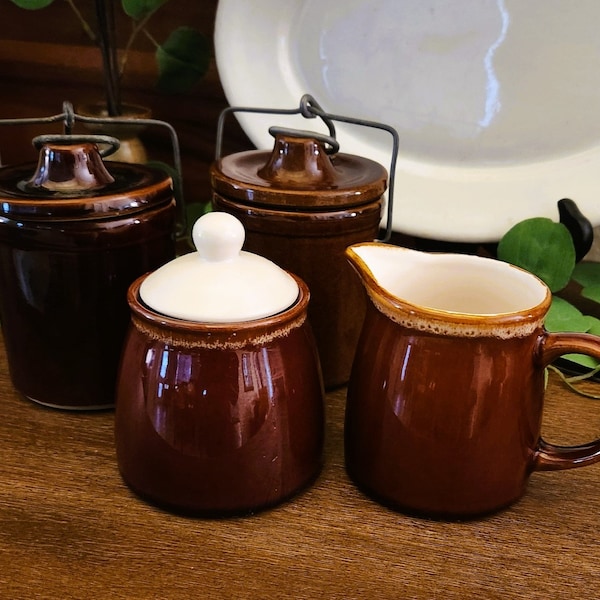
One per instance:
(219,419)
(312,245)
(65,266)
(302,209)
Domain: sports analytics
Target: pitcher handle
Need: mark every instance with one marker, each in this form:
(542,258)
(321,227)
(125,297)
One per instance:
(551,457)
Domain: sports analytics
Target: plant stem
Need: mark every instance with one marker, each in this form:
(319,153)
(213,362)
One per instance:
(84,24)
(139,26)
(149,36)
(569,381)
(107,40)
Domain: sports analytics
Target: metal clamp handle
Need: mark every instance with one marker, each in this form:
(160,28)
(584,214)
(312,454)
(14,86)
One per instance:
(69,117)
(111,144)
(310,109)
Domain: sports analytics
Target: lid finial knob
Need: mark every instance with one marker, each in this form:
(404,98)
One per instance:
(218,236)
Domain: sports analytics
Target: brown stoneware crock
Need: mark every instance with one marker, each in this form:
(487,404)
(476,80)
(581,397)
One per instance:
(220,398)
(73,237)
(301,208)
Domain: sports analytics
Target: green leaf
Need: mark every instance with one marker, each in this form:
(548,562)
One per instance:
(138,9)
(182,60)
(592,292)
(582,359)
(543,247)
(586,273)
(563,316)
(32,4)
(594,325)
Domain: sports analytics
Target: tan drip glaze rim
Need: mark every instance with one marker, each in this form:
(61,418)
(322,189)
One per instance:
(222,336)
(515,323)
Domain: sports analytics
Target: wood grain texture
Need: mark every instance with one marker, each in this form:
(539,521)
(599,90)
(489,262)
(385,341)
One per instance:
(70,528)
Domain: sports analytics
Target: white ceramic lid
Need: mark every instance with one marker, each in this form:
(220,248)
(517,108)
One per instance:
(219,283)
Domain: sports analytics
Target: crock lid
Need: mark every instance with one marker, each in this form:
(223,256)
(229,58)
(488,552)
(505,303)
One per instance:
(70,181)
(219,283)
(299,173)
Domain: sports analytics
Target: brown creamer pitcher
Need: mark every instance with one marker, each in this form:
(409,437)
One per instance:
(445,400)
(302,204)
(220,399)
(73,236)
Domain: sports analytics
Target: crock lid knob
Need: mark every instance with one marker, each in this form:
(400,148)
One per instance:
(218,236)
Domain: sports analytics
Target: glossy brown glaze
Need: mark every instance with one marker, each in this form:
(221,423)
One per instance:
(438,429)
(66,167)
(444,416)
(312,246)
(299,174)
(65,267)
(302,209)
(219,419)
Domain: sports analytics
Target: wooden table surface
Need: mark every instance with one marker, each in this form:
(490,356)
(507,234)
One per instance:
(70,528)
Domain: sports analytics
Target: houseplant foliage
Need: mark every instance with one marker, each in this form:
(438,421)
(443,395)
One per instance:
(546,249)
(182,59)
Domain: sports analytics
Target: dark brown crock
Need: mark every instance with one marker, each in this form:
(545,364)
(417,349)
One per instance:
(73,236)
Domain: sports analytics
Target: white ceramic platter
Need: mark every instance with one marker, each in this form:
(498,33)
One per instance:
(497,102)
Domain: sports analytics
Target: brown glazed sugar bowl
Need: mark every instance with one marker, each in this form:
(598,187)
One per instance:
(217,416)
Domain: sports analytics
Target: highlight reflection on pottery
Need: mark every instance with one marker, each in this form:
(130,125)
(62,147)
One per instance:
(220,399)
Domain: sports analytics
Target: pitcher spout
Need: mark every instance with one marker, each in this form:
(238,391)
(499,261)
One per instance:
(385,270)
